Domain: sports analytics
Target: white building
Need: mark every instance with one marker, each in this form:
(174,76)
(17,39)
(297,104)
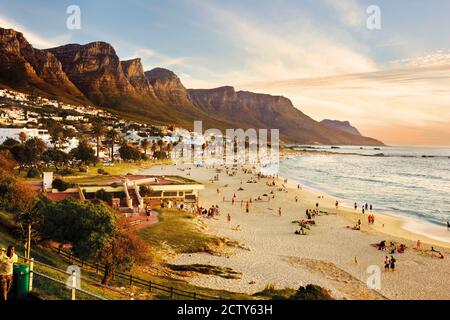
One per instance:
(14,133)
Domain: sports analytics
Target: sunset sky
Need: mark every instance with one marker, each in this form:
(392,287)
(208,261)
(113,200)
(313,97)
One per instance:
(393,83)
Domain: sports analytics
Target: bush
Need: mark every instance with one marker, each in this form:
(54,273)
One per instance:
(66,172)
(101,171)
(15,196)
(103,195)
(33,173)
(61,185)
(312,292)
(82,169)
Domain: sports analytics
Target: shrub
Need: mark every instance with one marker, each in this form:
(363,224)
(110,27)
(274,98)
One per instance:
(33,173)
(103,195)
(101,171)
(66,172)
(15,196)
(61,185)
(82,169)
(312,292)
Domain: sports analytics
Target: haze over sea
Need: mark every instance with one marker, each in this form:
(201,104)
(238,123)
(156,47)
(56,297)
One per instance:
(402,182)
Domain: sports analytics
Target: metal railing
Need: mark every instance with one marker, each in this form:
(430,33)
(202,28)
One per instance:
(141,283)
(72,284)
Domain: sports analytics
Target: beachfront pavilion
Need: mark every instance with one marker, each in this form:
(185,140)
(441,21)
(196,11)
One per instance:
(132,193)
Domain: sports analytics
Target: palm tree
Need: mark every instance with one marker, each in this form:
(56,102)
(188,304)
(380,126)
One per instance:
(22,137)
(98,131)
(145,144)
(112,136)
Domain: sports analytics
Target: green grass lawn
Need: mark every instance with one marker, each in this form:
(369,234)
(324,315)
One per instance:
(177,231)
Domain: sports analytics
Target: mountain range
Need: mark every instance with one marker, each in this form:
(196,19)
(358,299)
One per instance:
(94,74)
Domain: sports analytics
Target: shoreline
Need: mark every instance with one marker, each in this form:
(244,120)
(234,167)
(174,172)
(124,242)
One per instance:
(326,256)
(416,228)
(411,227)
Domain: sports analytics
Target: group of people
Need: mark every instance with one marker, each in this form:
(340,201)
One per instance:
(371,219)
(311,214)
(364,207)
(7,260)
(209,213)
(389,263)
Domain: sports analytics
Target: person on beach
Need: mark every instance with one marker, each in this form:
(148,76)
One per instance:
(317,206)
(356,206)
(392,263)
(371,207)
(418,245)
(387,263)
(229,217)
(279,212)
(448,225)
(363,211)
(367,206)
(246,207)
(337,204)
(296,198)
(7,260)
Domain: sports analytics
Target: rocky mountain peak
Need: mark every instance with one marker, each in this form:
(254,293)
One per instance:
(168,87)
(341,125)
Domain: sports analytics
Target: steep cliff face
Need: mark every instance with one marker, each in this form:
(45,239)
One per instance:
(341,125)
(168,87)
(134,72)
(96,70)
(23,66)
(253,110)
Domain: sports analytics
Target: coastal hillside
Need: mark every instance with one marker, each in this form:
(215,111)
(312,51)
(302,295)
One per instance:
(93,74)
(341,125)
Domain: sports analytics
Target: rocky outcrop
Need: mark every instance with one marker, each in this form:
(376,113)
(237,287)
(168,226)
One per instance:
(134,72)
(341,125)
(22,66)
(168,87)
(96,70)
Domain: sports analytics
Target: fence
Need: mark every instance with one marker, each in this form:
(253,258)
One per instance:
(141,283)
(70,285)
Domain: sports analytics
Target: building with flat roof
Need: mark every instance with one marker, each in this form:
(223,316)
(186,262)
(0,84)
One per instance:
(134,192)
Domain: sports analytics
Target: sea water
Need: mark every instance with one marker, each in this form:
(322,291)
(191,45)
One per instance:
(406,181)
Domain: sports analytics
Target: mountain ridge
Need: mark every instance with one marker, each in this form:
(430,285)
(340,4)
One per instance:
(94,74)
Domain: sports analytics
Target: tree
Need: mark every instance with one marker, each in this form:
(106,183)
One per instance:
(56,131)
(94,233)
(129,153)
(22,137)
(98,131)
(145,144)
(9,143)
(112,136)
(15,196)
(153,148)
(55,156)
(34,148)
(83,152)
(7,162)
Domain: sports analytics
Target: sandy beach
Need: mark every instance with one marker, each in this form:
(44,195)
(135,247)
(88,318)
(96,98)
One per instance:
(330,255)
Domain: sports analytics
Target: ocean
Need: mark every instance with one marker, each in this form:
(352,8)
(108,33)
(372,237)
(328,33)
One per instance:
(406,181)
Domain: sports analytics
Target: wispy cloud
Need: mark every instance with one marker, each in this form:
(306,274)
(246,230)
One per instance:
(409,105)
(32,37)
(350,12)
(295,49)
